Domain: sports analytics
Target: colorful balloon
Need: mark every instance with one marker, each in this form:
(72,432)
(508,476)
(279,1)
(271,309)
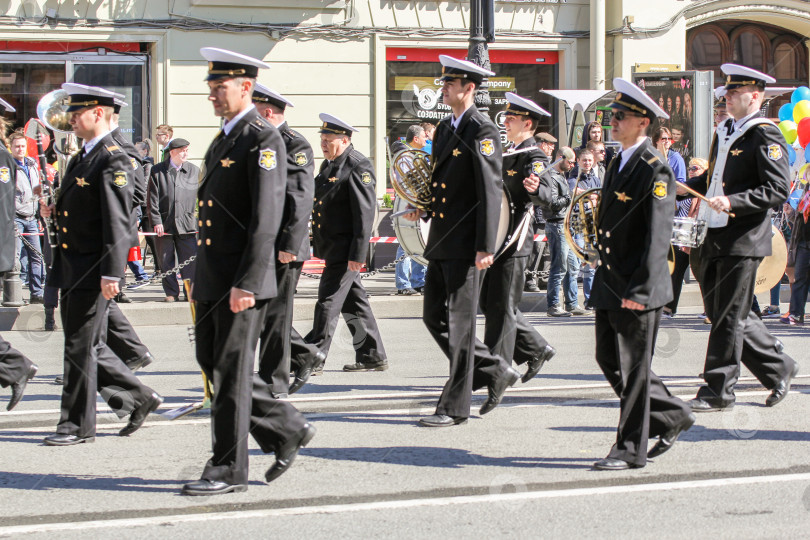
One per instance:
(807,154)
(801,93)
(801,110)
(788,129)
(786,112)
(791,155)
(803,131)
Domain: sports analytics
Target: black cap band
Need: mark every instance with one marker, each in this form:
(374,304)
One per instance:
(261,97)
(220,70)
(626,102)
(80,101)
(329,127)
(455,73)
(737,81)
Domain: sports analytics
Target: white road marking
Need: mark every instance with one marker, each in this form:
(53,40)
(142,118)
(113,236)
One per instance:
(403,504)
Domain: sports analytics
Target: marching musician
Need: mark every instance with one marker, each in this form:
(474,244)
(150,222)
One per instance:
(342,219)
(15,368)
(292,244)
(507,332)
(749,175)
(632,282)
(235,276)
(466,188)
(93,212)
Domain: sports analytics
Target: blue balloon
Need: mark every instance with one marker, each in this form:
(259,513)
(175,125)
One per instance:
(786,112)
(807,153)
(799,94)
(792,154)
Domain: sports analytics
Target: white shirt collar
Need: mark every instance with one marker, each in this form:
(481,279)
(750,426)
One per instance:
(454,122)
(89,145)
(228,126)
(627,153)
(740,123)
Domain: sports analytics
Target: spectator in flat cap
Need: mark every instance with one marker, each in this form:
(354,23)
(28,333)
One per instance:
(171,209)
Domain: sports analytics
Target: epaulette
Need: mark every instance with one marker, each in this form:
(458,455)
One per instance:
(113,148)
(260,123)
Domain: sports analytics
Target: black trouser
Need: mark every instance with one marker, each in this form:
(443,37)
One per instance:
(625,341)
(737,334)
(89,364)
(681,265)
(150,240)
(242,403)
(449,312)
(14,365)
(508,334)
(276,334)
(121,337)
(175,249)
(342,291)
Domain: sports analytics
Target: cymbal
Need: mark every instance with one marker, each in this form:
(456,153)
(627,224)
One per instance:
(772,267)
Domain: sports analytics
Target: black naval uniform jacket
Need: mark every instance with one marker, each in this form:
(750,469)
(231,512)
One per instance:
(525,160)
(343,213)
(172,203)
(8,211)
(241,199)
(466,182)
(755,179)
(635,228)
(93,217)
(294,234)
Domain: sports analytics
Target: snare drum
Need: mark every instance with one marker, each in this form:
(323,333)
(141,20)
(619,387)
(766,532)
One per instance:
(412,235)
(688,232)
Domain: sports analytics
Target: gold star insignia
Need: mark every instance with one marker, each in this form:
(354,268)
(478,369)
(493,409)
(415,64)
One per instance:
(333,179)
(81,182)
(227,162)
(736,153)
(622,196)
(456,152)
(510,172)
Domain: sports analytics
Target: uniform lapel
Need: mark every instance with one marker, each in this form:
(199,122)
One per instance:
(454,137)
(78,167)
(619,178)
(219,150)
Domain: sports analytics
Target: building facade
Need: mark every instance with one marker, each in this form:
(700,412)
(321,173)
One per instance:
(374,63)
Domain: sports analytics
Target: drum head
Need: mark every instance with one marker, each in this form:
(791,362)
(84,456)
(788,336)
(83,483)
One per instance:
(772,267)
(505,223)
(412,235)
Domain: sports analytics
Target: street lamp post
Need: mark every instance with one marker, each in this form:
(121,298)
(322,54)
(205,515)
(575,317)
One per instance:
(482,32)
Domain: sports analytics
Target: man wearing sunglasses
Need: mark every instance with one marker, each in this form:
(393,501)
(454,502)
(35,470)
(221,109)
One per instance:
(632,283)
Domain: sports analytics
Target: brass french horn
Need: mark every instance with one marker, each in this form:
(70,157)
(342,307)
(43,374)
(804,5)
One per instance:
(51,110)
(410,177)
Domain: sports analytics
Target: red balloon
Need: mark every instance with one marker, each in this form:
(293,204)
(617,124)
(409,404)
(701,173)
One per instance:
(803,130)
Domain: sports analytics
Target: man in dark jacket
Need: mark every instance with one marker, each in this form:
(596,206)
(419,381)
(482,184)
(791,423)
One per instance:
(632,284)
(749,175)
(171,208)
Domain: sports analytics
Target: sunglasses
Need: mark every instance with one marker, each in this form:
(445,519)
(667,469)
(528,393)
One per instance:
(666,138)
(621,115)
(694,168)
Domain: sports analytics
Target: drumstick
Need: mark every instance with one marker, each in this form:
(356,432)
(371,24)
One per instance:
(701,197)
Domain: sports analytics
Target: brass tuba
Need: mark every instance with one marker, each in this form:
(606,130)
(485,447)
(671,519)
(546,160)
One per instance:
(410,177)
(581,218)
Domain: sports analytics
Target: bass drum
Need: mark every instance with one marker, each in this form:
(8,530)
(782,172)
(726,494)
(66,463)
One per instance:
(512,227)
(772,267)
(412,235)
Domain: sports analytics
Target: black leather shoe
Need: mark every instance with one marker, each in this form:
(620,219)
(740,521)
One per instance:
(536,363)
(138,416)
(614,464)
(36,300)
(285,454)
(142,362)
(370,365)
(121,298)
(63,439)
(442,420)
(704,405)
(498,388)
(303,373)
(18,388)
(531,286)
(780,391)
(211,487)
(667,440)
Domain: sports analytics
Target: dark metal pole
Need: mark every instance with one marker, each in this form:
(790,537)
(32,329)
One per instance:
(481,33)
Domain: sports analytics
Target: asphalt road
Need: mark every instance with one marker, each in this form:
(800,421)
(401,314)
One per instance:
(522,470)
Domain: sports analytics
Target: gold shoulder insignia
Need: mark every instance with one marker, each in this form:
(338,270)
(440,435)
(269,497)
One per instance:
(5,175)
(301,159)
(538,167)
(133,163)
(120,179)
(775,152)
(112,148)
(660,190)
(365,178)
(487,147)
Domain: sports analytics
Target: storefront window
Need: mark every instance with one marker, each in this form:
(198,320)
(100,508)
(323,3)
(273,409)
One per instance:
(122,78)
(414,90)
